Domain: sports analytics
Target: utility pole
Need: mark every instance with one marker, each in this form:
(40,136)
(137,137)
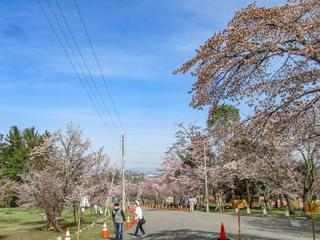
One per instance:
(123,178)
(206,176)
(108,197)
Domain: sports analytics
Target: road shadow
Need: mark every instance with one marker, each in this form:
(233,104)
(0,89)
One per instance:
(187,234)
(281,225)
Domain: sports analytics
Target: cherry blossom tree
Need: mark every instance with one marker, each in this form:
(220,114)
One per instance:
(69,171)
(306,140)
(269,57)
(181,181)
(182,168)
(268,165)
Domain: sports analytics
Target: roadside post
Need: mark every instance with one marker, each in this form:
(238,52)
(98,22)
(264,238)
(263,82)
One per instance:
(311,208)
(237,205)
(79,223)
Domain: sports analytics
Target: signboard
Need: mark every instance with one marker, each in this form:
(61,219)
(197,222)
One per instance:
(239,203)
(169,200)
(314,206)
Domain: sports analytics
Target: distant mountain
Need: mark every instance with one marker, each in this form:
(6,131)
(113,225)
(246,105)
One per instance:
(145,170)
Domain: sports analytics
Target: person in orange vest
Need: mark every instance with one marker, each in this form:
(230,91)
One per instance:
(140,219)
(118,218)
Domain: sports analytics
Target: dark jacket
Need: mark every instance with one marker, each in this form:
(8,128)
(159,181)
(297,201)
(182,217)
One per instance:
(118,216)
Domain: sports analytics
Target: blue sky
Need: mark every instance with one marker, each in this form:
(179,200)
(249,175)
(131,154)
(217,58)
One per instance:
(139,44)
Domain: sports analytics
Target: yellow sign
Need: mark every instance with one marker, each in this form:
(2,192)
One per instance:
(297,204)
(313,206)
(239,203)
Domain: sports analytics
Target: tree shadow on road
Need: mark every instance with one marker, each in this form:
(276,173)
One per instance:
(281,225)
(187,234)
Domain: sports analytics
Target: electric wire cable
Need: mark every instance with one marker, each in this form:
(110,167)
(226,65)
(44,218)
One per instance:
(74,68)
(87,67)
(98,64)
(76,59)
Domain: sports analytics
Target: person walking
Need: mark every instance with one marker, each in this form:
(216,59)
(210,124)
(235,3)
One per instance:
(195,202)
(118,218)
(140,219)
(191,204)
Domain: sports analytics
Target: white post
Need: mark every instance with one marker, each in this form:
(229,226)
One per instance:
(248,210)
(286,213)
(264,211)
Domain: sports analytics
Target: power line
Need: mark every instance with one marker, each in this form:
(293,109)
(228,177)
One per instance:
(85,64)
(73,67)
(99,66)
(76,59)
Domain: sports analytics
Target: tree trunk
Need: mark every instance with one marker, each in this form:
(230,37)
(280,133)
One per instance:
(305,198)
(91,212)
(53,219)
(267,201)
(233,194)
(287,198)
(248,195)
(74,206)
(278,202)
(251,201)
(218,202)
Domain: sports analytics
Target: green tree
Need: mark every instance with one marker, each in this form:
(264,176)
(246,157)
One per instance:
(14,149)
(223,116)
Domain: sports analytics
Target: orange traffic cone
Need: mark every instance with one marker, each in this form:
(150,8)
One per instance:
(134,220)
(222,233)
(128,222)
(68,237)
(105,233)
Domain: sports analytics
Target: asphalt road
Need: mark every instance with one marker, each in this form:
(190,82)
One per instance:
(176,225)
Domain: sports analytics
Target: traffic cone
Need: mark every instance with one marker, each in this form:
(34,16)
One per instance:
(128,223)
(68,237)
(105,233)
(222,233)
(134,220)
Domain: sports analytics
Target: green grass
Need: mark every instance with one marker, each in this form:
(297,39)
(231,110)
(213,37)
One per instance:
(19,223)
(275,213)
(257,212)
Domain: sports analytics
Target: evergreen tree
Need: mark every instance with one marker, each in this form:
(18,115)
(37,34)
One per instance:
(14,149)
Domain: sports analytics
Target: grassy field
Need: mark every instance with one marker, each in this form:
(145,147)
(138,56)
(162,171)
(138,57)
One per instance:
(279,212)
(18,223)
(275,213)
